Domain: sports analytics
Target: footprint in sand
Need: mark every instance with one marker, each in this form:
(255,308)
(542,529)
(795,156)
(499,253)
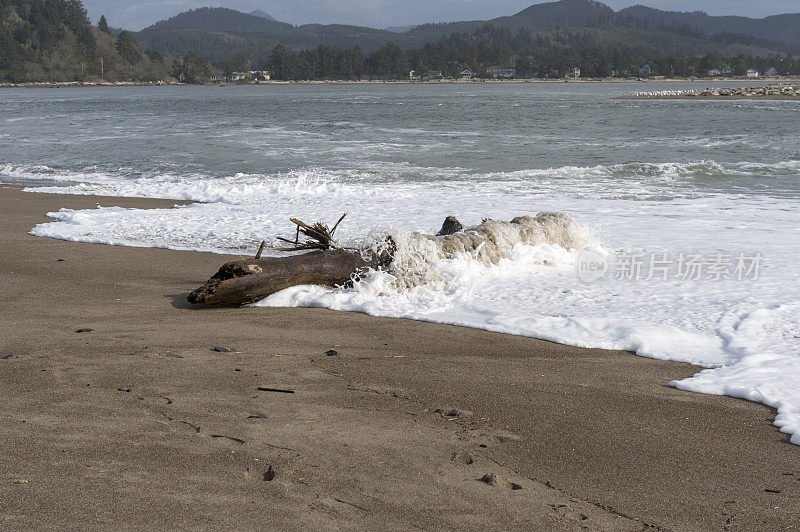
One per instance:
(494,480)
(266,476)
(462,458)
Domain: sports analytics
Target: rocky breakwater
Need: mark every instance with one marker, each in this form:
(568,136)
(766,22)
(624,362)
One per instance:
(775,91)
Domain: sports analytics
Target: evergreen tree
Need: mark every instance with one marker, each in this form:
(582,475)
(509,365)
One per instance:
(154,56)
(388,62)
(191,69)
(238,63)
(102,25)
(281,64)
(127,48)
(10,58)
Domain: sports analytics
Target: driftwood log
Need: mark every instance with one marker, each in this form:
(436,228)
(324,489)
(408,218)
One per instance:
(246,281)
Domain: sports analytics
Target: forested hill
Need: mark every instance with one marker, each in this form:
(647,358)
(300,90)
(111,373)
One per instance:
(538,17)
(39,36)
(783,28)
(223,19)
(53,40)
(218,34)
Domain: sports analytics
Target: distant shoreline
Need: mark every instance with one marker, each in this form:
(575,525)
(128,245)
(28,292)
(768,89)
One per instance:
(71,84)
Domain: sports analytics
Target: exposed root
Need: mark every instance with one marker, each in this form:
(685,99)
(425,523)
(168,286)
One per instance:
(319,236)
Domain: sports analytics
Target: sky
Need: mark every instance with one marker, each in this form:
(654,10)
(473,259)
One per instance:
(137,14)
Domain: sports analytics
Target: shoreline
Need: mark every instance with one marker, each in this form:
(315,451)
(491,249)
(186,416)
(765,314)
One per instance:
(594,438)
(79,84)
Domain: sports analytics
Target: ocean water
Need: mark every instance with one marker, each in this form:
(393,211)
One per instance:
(678,239)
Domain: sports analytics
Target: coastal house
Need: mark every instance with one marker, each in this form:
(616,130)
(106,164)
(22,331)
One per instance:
(715,72)
(467,74)
(753,73)
(412,75)
(501,72)
(727,71)
(645,70)
(433,74)
(772,72)
(237,76)
(260,75)
(575,73)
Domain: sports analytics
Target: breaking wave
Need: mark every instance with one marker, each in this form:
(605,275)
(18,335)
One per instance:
(430,275)
(419,257)
(631,180)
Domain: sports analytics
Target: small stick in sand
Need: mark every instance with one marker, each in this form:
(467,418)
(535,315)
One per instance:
(261,249)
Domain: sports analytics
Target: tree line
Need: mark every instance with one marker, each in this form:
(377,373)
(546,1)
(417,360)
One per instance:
(551,55)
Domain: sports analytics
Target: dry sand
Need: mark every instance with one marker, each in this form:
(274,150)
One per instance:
(595,439)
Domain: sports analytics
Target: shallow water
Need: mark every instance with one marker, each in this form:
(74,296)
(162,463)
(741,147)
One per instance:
(690,206)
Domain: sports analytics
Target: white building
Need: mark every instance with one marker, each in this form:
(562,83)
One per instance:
(753,73)
(467,74)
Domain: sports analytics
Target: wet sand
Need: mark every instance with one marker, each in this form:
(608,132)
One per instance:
(595,439)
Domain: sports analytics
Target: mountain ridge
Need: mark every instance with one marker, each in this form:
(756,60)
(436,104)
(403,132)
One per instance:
(537,17)
(220,19)
(575,13)
(784,27)
(219,33)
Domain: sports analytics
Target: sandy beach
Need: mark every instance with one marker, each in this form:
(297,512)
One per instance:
(140,423)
